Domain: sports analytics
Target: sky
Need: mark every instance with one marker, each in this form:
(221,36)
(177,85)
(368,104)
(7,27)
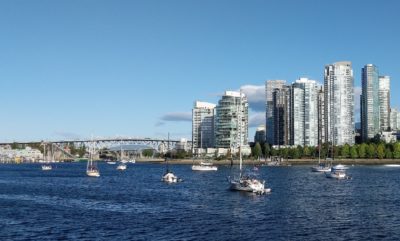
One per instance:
(73,69)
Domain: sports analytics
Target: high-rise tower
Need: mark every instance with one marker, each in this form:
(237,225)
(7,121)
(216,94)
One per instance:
(370,102)
(339,103)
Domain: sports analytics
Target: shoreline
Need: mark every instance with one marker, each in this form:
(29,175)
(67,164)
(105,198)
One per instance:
(294,162)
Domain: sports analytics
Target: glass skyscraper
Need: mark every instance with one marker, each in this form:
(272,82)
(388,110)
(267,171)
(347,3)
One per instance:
(384,102)
(270,86)
(339,103)
(203,125)
(231,119)
(304,111)
(370,112)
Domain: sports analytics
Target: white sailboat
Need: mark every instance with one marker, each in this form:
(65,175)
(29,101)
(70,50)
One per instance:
(322,166)
(169,176)
(91,168)
(337,171)
(204,166)
(46,166)
(245,183)
(122,166)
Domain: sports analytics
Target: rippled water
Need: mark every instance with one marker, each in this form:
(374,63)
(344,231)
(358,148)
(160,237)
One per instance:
(136,205)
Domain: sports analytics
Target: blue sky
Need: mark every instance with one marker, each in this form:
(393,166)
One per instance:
(74,68)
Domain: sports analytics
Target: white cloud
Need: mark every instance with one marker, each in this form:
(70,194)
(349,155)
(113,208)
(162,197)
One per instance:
(256,119)
(255,95)
(177,116)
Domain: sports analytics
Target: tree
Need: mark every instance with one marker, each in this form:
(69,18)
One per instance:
(82,151)
(371,150)
(362,151)
(380,151)
(294,153)
(388,153)
(257,151)
(345,151)
(285,153)
(300,151)
(306,151)
(148,152)
(396,150)
(353,152)
(267,150)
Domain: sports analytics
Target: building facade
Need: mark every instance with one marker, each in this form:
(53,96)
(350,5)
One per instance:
(231,119)
(259,136)
(270,86)
(394,119)
(339,103)
(370,111)
(384,102)
(321,115)
(304,112)
(203,125)
(281,116)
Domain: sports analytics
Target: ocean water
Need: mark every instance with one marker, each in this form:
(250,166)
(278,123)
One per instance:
(64,204)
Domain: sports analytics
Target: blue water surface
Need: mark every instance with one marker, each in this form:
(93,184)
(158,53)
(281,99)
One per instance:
(135,205)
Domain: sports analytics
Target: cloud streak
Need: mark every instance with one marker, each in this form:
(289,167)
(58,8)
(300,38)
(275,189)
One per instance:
(174,117)
(255,96)
(256,119)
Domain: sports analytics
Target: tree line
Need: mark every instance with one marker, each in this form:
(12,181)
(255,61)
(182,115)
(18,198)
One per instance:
(364,151)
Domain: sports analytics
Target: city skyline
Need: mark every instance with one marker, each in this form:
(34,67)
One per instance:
(70,70)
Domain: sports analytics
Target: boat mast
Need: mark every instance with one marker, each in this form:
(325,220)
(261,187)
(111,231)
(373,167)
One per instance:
(44,153)
(239,116)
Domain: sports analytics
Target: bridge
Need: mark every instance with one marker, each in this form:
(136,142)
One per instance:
(161,145)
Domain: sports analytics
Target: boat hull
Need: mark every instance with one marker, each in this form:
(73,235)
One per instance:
(92,173)
(204,168)
(253,186)
(320,169)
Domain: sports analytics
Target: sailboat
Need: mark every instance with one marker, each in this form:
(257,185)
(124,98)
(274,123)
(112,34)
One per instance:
(203,166)
(321,167)
(245,183)
(91,168)
(169,176)
(46,166)
(122,166)
(337,171)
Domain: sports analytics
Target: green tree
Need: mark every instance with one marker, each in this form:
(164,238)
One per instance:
(274,152)
(306,151)
(266,150)
(148,152)
(362,151)
(380,151)
(371,150)
(388,153)
(396,150)
(82,151)
(300,151)
(285,153)
(294,153)
(257,151)
(345,152)
(353,152)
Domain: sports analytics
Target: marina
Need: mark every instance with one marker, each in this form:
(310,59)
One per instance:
(199,208)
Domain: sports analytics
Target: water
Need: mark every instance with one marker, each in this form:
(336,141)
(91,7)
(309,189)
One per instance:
(136,205)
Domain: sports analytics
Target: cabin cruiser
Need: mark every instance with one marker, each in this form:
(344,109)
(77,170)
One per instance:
(338,172)
(204,166)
